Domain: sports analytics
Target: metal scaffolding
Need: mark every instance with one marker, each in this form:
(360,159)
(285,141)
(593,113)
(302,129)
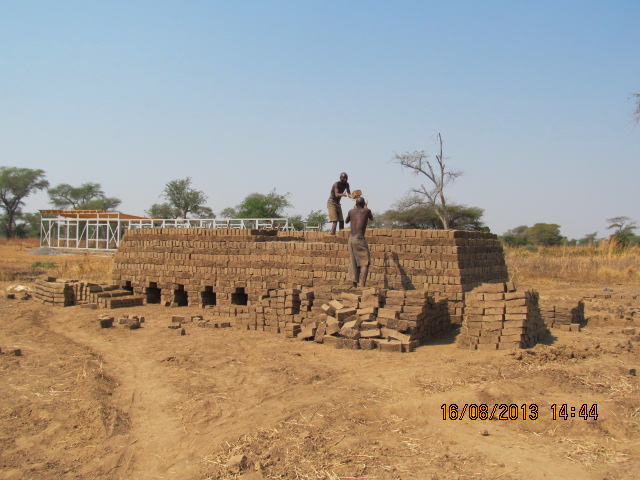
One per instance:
(102,230)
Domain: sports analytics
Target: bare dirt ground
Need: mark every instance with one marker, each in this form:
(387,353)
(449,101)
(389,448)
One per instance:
(89,403)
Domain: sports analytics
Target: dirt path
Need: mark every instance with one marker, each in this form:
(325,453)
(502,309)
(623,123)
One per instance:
(151,404)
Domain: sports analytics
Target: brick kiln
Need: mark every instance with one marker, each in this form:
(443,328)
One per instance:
(279,281)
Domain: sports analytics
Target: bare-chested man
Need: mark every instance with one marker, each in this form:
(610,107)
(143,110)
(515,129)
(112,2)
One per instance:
(359,216)
(338,190)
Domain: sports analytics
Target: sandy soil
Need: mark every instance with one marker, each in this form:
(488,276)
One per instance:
(88,403)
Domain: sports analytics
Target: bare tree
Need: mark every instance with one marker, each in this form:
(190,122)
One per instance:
(439,177)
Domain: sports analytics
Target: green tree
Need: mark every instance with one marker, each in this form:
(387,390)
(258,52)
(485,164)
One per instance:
(317,217)
(439,177)
(623,230)
(588,240)
(162,210)
(258,205)
(516,236)
(545,234)
(181,200)
(88,196)
(15,185)
(406,214)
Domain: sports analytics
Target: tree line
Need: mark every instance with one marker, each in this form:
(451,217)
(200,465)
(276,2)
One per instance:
(423,207)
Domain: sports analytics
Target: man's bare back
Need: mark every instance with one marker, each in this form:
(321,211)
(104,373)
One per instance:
(359,218)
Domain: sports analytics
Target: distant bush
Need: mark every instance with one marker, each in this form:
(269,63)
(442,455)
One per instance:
(43,265)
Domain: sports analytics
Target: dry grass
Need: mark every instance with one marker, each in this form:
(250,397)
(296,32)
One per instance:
(83,267)
(606,263)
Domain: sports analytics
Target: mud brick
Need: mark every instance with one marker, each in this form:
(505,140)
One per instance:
(487,346)
(355,324)
(345,313)
(491,288)
(494,311)
(367,317)
(372,302)
(473,332)
(307,332)
(474,311)
(390,333)
(493,297)
(367,311)
(404,326)
(412,309)
(123,320)
(518,309)
(492,317)
(390,346)
(328,309)
(574,327)
(492,326)
(509,345)
(395,295)
(132,324)
(371,333)
(492,338)
(387,313)
(367,344)
(332,341)
(336,305)
(512,330)
(106,322)
(512,321)
(369,326)
(332,328)
(320,331)
(350,343)
(415,295)
(511,338)
(350,332)
(177,319)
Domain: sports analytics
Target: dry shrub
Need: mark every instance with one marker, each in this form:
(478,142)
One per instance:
(606,263)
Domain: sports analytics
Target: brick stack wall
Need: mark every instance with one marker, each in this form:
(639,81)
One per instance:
(444,263)
(496,316)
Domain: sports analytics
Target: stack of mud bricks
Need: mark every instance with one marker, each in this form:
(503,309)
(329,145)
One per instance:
(496,316)
(188,263)
(566,315)
(62,293)
(68,293)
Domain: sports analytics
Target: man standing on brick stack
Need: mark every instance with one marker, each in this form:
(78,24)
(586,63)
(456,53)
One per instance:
(359,216)
(338,190)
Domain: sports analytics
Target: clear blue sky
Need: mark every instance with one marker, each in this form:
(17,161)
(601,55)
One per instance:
(532,100)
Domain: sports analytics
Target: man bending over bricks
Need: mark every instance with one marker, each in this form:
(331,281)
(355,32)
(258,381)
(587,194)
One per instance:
(359,216)
(338,190)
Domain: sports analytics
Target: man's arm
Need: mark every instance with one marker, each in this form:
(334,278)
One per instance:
(348,219)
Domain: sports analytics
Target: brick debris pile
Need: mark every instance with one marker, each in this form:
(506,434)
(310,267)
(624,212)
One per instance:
(496,316)
(66,293)
(602,307)
(362,318)
(230,269)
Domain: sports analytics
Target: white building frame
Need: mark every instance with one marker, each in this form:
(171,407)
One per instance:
(102,230)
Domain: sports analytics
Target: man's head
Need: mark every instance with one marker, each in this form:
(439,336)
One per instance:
(360,202)
(344,177)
